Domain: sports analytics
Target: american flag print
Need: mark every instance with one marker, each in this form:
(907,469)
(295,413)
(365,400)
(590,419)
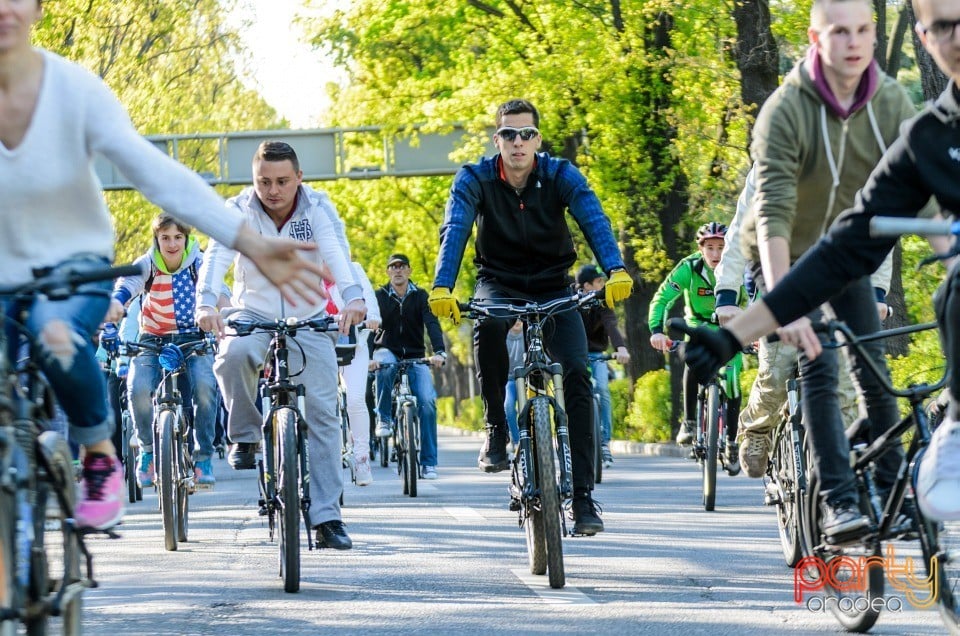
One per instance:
(169,306)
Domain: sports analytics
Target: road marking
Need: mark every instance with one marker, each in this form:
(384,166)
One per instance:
(541,587)
(463,513)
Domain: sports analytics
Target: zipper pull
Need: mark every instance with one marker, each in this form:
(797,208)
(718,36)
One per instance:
(521,205)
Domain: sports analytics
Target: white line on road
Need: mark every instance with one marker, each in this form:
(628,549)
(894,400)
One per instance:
(463,513)
(541,587)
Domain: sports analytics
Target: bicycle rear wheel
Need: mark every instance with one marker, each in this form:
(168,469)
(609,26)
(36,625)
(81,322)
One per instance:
(288,492)
(712,422)
(129,459)
(532,518)
(549,491)
(849,613)
(384,443)
(597,443)
(788,506)
(184,488)
(410,450)
(167,477)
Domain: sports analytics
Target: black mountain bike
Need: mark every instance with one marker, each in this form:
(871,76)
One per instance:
(41,574)
(284,470)
(172,432)
(537,486)
(940,542)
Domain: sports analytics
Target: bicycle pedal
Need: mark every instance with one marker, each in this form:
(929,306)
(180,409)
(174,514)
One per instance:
(514,505)
(262,511)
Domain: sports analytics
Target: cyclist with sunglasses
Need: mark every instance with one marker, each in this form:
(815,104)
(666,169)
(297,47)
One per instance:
(524,249)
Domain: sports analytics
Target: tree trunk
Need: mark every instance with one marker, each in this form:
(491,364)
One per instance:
(755,52)
(931,77)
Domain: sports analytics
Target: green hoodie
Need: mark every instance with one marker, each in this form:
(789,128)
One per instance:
(801,188)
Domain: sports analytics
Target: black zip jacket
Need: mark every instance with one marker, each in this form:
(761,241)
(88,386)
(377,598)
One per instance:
(402,321)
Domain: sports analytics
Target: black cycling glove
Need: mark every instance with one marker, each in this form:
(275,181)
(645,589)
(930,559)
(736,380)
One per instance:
(707,350)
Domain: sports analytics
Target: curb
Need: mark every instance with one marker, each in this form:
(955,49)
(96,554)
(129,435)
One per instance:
(618,447)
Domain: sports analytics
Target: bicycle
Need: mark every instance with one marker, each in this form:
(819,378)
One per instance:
(711,423)
(284,471)
(537,486)
(597,424)
(36,469)
(345,350)
(888,518)
(785,481)
(110,340)
(406,429)
(172,431)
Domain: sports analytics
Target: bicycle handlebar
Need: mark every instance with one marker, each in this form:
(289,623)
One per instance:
(895,226)
(61,285)
(284,325)
(522,307)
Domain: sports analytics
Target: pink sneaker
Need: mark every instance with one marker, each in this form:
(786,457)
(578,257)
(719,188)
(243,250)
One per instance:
(101,505)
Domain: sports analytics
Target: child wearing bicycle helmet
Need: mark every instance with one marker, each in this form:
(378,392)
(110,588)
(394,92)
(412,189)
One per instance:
(694,280)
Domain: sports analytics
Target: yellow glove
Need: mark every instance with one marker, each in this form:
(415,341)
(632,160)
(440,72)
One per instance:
(618,287)
(444,305)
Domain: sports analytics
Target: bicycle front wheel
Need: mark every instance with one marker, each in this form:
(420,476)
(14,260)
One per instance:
(712,423)
(184,488)
(411,462)
(167,477)
(288,492)
(129,459)
(940,543)
(549,491)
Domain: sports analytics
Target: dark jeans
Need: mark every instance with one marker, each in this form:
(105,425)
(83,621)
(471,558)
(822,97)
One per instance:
(855,305)
(566,342)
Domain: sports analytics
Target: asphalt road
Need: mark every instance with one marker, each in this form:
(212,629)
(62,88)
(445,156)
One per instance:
(453,561)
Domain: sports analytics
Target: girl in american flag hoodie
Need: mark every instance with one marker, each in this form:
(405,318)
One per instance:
(167,315)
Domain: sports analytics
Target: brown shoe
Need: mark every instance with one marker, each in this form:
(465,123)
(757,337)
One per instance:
(755,453)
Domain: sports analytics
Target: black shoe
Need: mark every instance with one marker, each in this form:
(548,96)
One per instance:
(843,522)
(586,516)
(493,455)
(243,456)
(333,534)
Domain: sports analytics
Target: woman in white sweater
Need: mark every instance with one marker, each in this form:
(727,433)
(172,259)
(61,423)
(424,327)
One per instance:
(54,117)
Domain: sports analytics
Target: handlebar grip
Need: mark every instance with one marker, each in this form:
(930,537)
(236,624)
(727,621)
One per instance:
(109,273)
(895,226)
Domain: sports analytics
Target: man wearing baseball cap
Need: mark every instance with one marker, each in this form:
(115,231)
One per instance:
(601,327)
(405,313)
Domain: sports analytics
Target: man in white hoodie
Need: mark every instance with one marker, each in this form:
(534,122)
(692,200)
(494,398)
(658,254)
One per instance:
(279,204)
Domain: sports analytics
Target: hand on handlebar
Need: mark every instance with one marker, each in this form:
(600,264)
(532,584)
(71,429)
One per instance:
(352,314)
(707,349)
(444,305)
(115,312)
(437,361)
(726,313)
(660,342)
(800,334)
(210,320)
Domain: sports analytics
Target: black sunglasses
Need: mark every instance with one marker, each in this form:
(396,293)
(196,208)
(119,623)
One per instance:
(941,30)
(526,133)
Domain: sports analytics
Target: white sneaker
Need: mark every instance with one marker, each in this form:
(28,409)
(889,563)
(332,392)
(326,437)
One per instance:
(938,480)
(428,472)
(362,471)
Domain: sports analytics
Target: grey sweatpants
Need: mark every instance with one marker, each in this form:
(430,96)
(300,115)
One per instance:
(237,369)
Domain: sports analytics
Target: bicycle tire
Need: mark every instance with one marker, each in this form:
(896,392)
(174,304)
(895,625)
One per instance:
(788,508)
(411,450)
(129,459)
(597,443)
(532,519)
(549,490)
(186,476)
(8,593)
(166,477)
(939,540)
(62,478)
(712,422)
(853,620)
(288,492)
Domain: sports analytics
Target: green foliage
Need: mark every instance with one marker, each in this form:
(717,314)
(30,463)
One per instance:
(648,419)
(620,390)
(924,364)
(470,416)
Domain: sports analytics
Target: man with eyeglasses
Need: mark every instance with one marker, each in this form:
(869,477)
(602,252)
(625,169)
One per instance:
(524,249)
(923,162)
(404,315)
